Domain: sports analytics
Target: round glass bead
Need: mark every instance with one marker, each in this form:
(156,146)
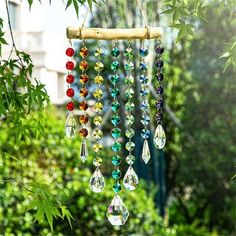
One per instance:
(97,147)
(98,106)
(130,146)
(129,133)
(115,65)
(115,106)
(160,63)
(70,65)
(115,120)
(97,161)
(98,52)
(145,133)
(83,79)
(143,79)
(116,174)
(117,187)
(159,76)
(129,106)
(129,53)
(70,52)
(116,160)
(98,93)
(116,147)
(115,52)
(83,65)
(70,79)
(83,119)
(115,92)
(144,92)
(83,132)
(97,120)
(159,50)
(70,92)
(83,52)
(98,79)
(143,52)
(129,93)
(97,134)
(116,133)
(70,106)
(129,119)
(99,66)
(130,159)
(143,66)
(83,92)
(83,106)
(115,79)
(145,119)
(160,90)
(144,105)
(129,66)
(129,79)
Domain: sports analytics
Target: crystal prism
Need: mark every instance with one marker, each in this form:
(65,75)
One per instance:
(71,126)
(146,152)
(83,151)
(130,180)
(159,137)
(117,213)
(97,182)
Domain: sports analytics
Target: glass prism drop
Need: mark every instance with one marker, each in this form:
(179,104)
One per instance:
(159,137)
(71,126)
(97,182)
(117,213)
(130,180)
(146,152)
(83,151)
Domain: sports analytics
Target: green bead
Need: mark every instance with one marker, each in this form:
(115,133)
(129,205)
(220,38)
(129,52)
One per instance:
(97,161)
(129,66)
(130,159)
(129,53)
(129,106)
(116,133)
(116,174)
(129,93)
(115,120)
(115,79)
(129,79)
(116,187)
(115,92)
(116,147)
(115,65)
(115,106)
(129,119)
(129,133)
(130,146)
(115,52)
(116,160)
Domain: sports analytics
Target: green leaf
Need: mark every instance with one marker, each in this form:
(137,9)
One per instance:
(30,3)
(66,213)
(68,3)
(76,6)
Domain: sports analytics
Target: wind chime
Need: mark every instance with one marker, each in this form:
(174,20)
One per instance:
(117,213)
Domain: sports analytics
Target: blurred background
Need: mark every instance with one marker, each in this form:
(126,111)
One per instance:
(185,190)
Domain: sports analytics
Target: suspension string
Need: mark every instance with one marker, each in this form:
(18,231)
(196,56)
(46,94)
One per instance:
(144,15)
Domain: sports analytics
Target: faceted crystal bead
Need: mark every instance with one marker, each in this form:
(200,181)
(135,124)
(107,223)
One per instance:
(70,106)
(115,65)
(130,180)
(84,52)
(117,212)
(159,50)
(99,66)
(160,90)
(159,104)
(115,120)
(98,93)
(116,133)
(83,151)
(129,133)
(129,106)
(145,133)
(159,137)
(115,79)
(159,76)
(143,66)
(116,174)
(97,161)
(83,132)
(83,92)
(130,159)
(115,52)
(159,117)
(83,119)
(97,120)
(70,92)
(83,79)
(116,160)
(143,79)
(117,187)
(70,79)
(115,106)
(160,63)
(129,119)
(144,106)
(98,106)
(144,92)
(130,146)
(143,52)
(83,65)
(145,119)
(146,152)
(83,106)
(98,52)
(97,182)
(115,92)
(129,79)
(98,79)
(116,147)
(129,93)
(71,126)
(129,66)
(70,65)
(129,53)
(97,147)
(97,134)
(70,52)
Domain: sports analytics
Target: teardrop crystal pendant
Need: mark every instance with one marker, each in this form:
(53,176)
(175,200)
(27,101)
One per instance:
(159,137)
(130,180)
(97,182)
(83,151)
(71,126)
(146,152)
(117,213)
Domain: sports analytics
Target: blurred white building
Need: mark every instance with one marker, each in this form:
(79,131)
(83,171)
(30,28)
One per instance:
(41,32)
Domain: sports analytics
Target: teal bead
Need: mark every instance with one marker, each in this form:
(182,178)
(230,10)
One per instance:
(115,120)
(129,66)
(117,187)
(129,106)
(143,52)
(115,92)
(116,174)
(116,147)
(116,160)
(115,65)
(129,119)
(115,79)
(115,106)
(130,146)
(129,93)
(115,52)
(116,133)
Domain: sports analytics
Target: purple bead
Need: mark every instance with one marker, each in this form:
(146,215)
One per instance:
(159,50)
(160,90)
(159,104)
(159,63)
(159,76)
(159,117)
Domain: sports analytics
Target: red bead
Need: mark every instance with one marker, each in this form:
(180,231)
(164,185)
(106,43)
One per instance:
(70,52)
(70,79)
(83,106)
(70,65)
(70,92)
(70,106)
(83,79)
(83,132)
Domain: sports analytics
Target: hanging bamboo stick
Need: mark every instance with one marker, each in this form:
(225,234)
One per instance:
(109,34)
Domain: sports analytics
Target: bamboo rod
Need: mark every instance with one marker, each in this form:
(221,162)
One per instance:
(109,34)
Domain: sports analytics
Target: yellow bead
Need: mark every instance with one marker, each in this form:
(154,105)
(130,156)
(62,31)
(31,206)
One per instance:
(98,93)
(98,106)
(98,79)
(99,66)
(97,147)
(97,134)
(97,120)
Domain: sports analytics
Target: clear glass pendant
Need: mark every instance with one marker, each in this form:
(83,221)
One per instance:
(83,151)
(71,126)
(146,152)
(159,137)
(97,182)
(130,180)
(117,213)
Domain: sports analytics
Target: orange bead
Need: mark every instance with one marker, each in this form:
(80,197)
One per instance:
(83,119)
(83,106)
(83,79)
(83,65)
(84,52)
(83,132)
(83,92)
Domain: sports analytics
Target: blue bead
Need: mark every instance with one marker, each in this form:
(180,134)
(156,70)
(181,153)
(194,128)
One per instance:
(143,52)
(145,120)
(145,133)
(144,92)
(143,66)
(144,106)
(143,79)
